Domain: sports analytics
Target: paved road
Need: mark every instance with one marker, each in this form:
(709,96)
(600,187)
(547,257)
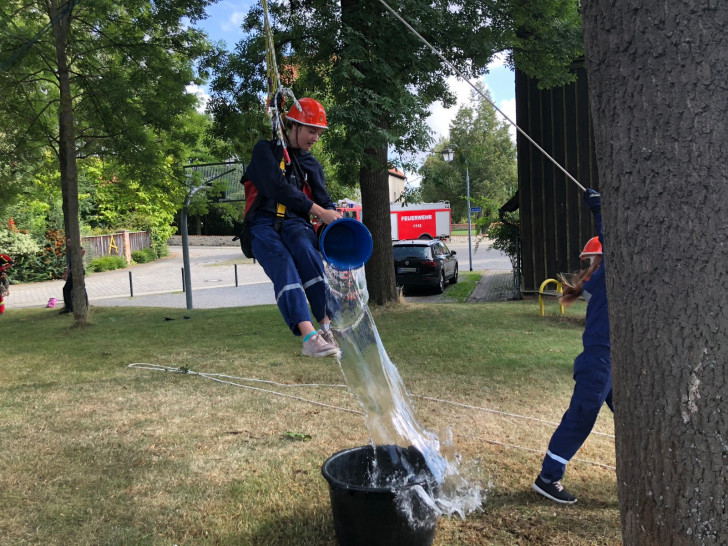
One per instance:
(213,273)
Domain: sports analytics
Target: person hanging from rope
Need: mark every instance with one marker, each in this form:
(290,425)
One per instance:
(280,199)
(6,262)
(592,368)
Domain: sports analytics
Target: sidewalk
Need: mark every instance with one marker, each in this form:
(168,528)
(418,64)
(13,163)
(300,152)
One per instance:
(494,285)
(160,283)
(213,272)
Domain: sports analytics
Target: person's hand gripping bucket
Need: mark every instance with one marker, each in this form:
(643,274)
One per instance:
(346,244)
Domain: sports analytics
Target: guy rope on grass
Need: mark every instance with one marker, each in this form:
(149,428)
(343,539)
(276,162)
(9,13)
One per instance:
(237,382)
(221,378)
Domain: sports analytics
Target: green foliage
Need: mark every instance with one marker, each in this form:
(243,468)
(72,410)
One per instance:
(411,194)
(34,261)
(482,144)
(546,37)
(115,91)
(144,255)
(376,88)
(38,206)
(17,243)
(505,236)
(106,263)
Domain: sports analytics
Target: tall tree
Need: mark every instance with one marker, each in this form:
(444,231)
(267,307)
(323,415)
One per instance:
(657,81)
(377,79)
(96,78)
(482,140)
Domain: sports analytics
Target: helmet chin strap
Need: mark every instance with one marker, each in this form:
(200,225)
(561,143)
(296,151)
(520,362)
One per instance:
(295,129)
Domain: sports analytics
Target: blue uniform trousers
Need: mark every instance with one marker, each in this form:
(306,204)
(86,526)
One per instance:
(593,376)
(292,261)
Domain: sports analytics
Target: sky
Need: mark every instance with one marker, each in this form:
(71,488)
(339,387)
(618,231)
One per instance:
(223,25)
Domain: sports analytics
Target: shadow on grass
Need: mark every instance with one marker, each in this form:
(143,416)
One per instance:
(305,529)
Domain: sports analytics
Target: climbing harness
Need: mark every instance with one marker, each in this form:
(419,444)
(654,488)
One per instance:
(276,92)
(274,104)
(479,92)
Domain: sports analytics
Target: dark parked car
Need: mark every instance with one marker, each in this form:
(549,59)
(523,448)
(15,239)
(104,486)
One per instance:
(424,263)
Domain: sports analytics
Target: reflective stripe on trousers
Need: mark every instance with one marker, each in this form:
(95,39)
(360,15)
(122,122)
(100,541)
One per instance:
(593,376)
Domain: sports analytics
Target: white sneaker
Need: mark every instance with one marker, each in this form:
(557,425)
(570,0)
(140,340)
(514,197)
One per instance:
(328,335)
(316,345)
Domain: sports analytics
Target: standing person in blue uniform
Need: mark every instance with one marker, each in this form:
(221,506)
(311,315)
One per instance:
(68,277)
(592,368)
(279,203)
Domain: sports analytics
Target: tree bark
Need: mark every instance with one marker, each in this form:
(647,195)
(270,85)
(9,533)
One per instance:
(60,13)
(374,183)
(658,74)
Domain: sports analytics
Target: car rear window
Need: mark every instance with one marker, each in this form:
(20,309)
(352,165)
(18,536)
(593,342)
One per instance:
(404,252)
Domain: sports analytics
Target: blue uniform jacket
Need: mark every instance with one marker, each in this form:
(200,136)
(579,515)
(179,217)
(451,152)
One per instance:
(276,187)
(596,331)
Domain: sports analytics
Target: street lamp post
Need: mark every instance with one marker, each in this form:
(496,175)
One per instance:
(467,188)
(186,245)
(448,155)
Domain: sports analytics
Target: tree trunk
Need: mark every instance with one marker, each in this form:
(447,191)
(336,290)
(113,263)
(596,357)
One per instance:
(60,13)
(374,183)
(657,78)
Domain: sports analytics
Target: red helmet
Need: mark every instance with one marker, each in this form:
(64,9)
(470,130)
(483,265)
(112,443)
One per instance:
(6,262)
(313,113)
(592,248)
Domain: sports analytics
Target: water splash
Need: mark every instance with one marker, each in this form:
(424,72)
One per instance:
(390,416)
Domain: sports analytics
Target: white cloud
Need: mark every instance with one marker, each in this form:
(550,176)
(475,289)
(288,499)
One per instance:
(202,96)
(509,109)
(233,22)
(499,60)
(441,117)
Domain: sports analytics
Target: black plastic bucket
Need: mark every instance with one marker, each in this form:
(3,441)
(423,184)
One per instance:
(373,515)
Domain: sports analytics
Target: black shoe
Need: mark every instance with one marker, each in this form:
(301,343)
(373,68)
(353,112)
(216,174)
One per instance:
(65,311)
(554,491)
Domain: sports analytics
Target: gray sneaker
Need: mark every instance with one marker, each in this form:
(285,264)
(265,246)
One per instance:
(316,345)
(328,335)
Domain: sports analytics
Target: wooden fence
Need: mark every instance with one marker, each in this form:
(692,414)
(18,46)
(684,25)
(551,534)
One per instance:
(116,244)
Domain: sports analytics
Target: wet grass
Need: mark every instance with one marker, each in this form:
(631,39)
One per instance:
(96,452)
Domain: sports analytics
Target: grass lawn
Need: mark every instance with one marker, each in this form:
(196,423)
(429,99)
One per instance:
(96,452)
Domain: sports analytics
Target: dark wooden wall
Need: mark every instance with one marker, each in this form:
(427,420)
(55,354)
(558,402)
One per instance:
(554,223)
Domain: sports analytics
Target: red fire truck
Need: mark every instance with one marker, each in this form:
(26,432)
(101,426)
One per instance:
(413,221)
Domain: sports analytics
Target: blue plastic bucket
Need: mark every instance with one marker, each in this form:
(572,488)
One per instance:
(346,244)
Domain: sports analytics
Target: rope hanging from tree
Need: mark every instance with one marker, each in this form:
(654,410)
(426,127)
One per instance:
(479,92)
(276,92)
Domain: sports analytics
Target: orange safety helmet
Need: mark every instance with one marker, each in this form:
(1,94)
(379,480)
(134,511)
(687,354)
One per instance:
(592,248)
(6,262)
(313,113)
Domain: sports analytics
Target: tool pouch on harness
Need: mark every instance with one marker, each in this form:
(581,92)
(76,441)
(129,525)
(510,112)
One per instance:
(245,237)
(246,240)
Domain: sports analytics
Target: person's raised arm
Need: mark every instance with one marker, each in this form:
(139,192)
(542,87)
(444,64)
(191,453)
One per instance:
(593,200)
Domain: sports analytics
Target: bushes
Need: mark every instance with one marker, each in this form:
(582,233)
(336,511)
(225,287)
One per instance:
(505,237)
(106,263)
(144,255)
(33,262)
